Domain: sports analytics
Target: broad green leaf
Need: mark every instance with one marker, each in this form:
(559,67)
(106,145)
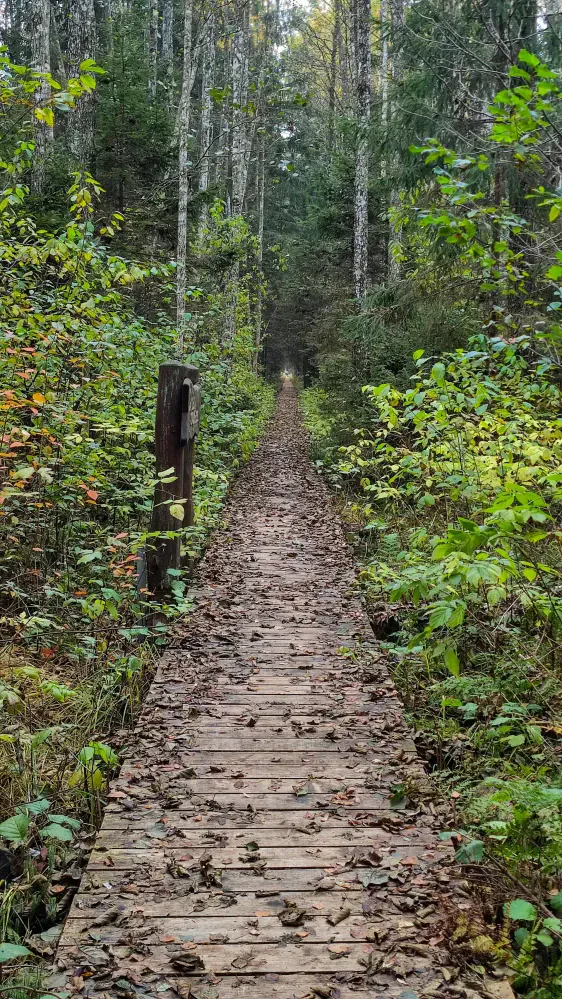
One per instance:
(438,373)
(521,910)
(471,852)
(55,831)
(9,952)
(452,662)
(65,820)
(14,829)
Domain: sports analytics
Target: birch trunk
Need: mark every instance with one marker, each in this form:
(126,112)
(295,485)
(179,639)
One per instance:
(59,67)
(184,118)
(40,16)
(207,75)
(239,152)
(259,260)
(81,46)
(389,68)
(363,103)
(239,117)
(153,50)
(168,50)
(332,80)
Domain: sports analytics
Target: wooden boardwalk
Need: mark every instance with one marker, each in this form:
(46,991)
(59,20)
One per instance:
(250,849)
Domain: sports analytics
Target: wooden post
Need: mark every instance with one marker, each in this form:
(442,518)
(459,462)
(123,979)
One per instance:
(189,448)
(165,552)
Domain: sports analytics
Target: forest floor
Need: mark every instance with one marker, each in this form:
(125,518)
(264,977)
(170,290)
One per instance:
(269,835)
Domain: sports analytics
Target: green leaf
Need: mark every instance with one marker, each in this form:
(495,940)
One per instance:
(34,807)
(14,829)
(553,214)
(515,740)
(544,938)
(65,820)
(55,831)
(452,662)
(556,902)
(438,373)
(8,952)
(529,58)
(521,910)
(521,934)
(470,853)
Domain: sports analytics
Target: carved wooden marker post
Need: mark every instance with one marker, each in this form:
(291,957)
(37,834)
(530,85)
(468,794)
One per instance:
(177,422)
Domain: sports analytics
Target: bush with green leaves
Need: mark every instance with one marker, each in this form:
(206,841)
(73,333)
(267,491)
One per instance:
(79,358)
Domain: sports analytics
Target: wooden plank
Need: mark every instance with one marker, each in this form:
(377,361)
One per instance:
(93,905)
(313,927)
(232,959)
(188,857)
(224,819)
(175,836)
(235,880)
(270,802)
(294,986)
(217,744)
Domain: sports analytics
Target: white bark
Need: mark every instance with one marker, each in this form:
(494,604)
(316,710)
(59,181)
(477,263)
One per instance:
(81,46)
(168,49)
(184,118)
(363,105)
(41,63)
(239,146)
(240,63)
(153,50)
(259,260)
(207,80)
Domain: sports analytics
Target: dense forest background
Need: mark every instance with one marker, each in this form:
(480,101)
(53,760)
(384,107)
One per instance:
(367,195)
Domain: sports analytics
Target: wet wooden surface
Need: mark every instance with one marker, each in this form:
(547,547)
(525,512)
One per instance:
(252,847)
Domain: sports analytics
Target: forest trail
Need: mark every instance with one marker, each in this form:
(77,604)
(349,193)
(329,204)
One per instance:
(249,849)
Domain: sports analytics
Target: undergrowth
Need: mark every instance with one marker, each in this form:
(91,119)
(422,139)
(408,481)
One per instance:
(453,489)
(80,346)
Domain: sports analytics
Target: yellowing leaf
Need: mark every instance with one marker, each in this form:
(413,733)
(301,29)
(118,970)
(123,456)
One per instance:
(177,511)
(39,398)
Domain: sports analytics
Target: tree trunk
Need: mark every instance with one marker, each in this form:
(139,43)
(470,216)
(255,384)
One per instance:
(183,169)
(239,151)
(396,18)
(207,75)
(259,259)
(81,46)
(40,15)
(239,116)
(168,49)
(59,67)
(363,104)
(332,80)
(153,50)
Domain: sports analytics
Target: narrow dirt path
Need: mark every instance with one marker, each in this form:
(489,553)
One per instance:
(250,849)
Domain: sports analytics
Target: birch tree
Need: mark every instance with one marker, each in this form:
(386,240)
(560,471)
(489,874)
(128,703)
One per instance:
(240,66)
(260,234)
(362,47)
(82,46)
(168,49)
(39,29)
(153,49)
(184,120)
(207,79)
